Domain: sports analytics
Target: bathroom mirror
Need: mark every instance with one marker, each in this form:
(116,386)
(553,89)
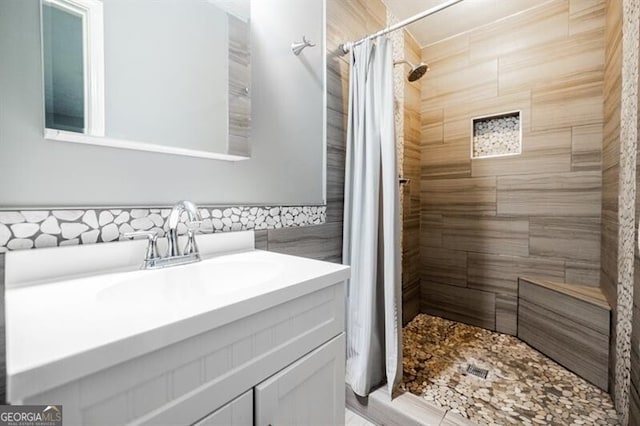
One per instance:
(169,76)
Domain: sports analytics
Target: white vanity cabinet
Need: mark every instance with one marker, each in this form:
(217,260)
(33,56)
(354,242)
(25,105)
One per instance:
(238,412)
(286,362)
(306,392)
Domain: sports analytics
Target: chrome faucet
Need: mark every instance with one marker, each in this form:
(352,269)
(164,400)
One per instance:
(174,256)
(172,236)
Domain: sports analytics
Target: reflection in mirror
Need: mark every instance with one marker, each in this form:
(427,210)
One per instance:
(157,75)
(73,65)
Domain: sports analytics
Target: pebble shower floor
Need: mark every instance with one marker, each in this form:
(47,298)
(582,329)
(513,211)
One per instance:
(522,387)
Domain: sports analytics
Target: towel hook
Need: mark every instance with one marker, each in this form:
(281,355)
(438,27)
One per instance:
(297,47)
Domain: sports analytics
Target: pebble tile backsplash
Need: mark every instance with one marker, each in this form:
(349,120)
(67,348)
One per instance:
(497,135)
(27,229)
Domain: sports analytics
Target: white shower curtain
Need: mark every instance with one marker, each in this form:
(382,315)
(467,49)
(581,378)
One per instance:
(372,223)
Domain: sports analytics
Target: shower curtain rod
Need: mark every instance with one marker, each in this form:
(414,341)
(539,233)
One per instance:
(346,47)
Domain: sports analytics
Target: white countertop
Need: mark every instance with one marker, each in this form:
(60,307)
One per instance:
(63,330)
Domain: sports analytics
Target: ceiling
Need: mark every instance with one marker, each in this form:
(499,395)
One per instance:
(456,19)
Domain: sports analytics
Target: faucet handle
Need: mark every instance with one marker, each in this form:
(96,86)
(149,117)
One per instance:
(152,238)
(191,247)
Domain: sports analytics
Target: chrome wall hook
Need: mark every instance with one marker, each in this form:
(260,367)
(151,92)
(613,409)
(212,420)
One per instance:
(298,47)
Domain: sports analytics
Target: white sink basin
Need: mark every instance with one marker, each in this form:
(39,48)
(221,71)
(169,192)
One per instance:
(90,322)
(181,284)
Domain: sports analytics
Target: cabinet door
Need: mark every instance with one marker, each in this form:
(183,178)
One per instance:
(308,392)
(238,412)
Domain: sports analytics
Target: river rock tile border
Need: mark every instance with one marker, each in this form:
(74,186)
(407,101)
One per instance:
(626,204)
(26,229)
(523,386)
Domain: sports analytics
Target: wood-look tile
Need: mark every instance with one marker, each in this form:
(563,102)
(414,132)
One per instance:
(454,130)
(486,235)
(576,238)
(610,191)
(442,266)
(450,160)
(261,241)
(583,273)
(609,256)
(459,304)
(471,196)
(586,147)
(430,230)
(410,301)
(464,84)
(562,194)
(335,210)
(446,55)
(525,30)
(463,112)
(412,165)
(411,191)
(550,68)
(336,152)
(555,107)
(578,348)
(612,86)
(430,116)
(412,97)
(336,129)
(337,92)
(586,15)
(610,134)
(561,63)
(412,49)
(432,135)
(507,314)
(500,273)
(410,256)
(351,20)
(542,152)
(321,242)
(412,125)
(586,306)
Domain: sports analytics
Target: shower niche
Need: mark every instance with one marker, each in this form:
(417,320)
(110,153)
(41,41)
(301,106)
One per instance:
(496,135)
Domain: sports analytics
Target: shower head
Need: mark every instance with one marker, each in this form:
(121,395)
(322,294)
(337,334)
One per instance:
(416,72)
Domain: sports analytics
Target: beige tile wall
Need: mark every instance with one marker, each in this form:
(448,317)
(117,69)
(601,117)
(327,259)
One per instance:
(485,222)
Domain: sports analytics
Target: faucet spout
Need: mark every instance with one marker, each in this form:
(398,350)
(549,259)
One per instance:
(174,219)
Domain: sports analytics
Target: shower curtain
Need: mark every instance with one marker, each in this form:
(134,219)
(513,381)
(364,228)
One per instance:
(371,238)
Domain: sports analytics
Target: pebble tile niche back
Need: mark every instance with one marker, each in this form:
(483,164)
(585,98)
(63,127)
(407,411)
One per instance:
(26,229)
(496,135)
